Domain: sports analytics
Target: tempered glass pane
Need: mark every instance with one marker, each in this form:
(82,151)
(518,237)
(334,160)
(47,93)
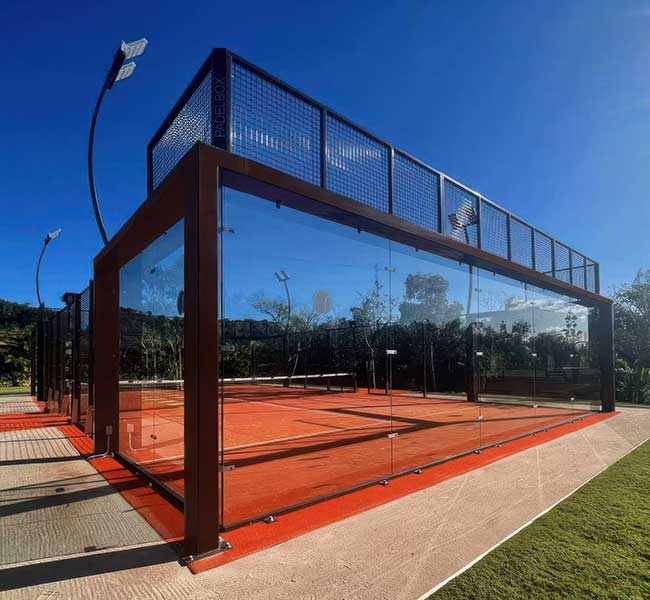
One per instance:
(151,359)
(431,417)
(516,331)
(304,319)
(567,365)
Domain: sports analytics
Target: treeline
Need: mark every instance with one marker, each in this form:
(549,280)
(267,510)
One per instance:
(17,322)
(632,339)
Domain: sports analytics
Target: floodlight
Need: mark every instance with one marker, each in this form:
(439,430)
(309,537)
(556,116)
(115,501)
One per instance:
(125,71)
(281,276)
(53,234)
(133,49)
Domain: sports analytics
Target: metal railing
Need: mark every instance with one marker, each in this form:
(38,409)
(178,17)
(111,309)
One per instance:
(235,105)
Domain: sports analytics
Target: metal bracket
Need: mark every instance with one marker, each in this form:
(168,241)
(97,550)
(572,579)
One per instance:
(393,435)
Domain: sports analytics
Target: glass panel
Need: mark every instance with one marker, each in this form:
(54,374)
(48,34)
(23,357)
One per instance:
(430,412)
(304,317)
(567,368)
(151,359)
(521,343)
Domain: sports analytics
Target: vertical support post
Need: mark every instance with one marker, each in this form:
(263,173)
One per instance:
(323,147)
(533,255)
(202,438)
(441,205)
(508,237)
(607,356)
(597,277)
(40,357)
(107,356)
(570,265)
(75,392)
(32,364)
(479,225)
(391,190)
(553,265)
(90,413)
(221,105)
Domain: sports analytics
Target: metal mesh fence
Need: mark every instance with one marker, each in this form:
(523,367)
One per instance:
(192,124)
(543,253)
(562,264)
(521,243)
(494,230)
(274,127)
(461,214)
(590,283)
(357,165)
(578,269)
(416,196)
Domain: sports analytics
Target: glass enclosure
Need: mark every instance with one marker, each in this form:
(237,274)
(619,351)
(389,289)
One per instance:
(346,358)
(151,359)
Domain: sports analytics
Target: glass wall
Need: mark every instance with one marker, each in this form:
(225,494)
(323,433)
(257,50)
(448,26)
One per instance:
(151,359)
(346,358)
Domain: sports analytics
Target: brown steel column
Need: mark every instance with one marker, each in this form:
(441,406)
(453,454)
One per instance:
(607,355)
(107,356)
(201,356)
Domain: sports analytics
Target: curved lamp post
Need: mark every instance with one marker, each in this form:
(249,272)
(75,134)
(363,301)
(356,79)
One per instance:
(41,317)
(118,71)
(48,238)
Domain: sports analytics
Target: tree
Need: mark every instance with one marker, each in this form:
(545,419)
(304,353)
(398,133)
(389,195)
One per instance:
(632,320)
(426,299)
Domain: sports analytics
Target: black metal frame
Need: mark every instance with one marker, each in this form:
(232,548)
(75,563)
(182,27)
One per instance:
(220,62)
(58,355)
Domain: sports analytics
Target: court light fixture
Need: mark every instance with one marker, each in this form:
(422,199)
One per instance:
(117,71)
(281,276)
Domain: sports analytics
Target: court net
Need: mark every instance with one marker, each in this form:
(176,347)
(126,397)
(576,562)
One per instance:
(245,389)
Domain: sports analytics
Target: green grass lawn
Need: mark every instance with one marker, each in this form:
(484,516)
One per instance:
(6,390)
(595,544)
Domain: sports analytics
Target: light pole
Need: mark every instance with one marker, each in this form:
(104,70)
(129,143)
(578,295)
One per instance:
(40,334)
(118,71)
(282,277)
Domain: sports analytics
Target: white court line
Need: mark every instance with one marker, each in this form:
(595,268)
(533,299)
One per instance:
(470,564)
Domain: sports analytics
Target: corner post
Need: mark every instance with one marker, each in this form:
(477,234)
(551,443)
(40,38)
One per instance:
(202,494)
(607,357)
(106,363)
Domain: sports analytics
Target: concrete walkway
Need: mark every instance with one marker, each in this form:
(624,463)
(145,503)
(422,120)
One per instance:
(17,404)
(398,551)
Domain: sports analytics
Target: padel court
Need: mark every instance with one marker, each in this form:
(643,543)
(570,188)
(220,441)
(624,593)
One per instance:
(286,446)
(299,309)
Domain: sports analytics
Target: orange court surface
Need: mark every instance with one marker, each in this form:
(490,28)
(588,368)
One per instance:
(287,446)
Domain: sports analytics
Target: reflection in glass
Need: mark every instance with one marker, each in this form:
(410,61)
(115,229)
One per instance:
(305,320)
(151,359)
(346,358)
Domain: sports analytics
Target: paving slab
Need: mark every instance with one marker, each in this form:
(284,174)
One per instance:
(56,503)
(399,550)
(17,404)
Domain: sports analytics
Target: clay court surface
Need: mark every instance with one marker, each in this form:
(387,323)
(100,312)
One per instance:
(285,446)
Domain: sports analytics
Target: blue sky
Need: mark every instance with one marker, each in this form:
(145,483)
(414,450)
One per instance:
(544,107)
